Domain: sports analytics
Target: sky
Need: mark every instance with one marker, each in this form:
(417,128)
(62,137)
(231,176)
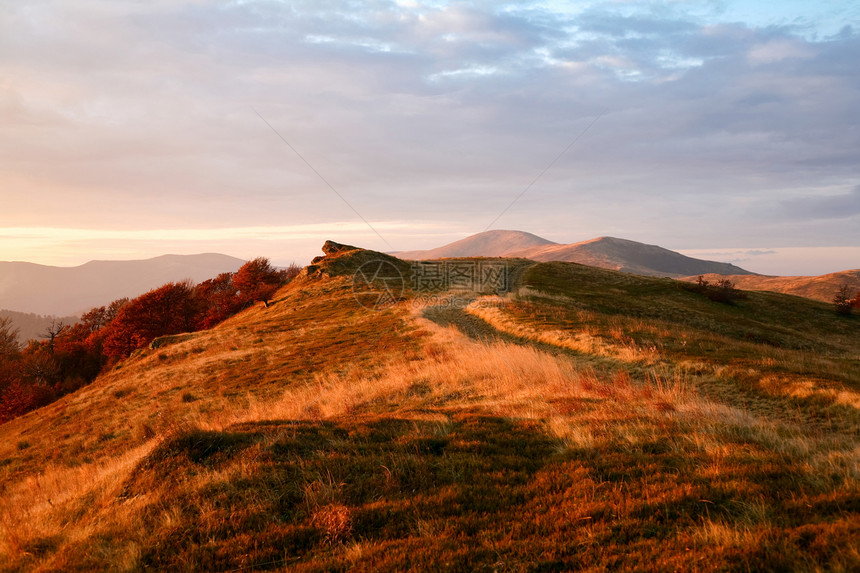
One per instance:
(135,128)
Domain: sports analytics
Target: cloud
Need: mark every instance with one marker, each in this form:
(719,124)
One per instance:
(142,115)
(778,50)
(759,252)
(840,206)
(790,261)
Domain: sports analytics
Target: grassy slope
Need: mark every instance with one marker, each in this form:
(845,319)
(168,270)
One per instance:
(821,288)
(604,421)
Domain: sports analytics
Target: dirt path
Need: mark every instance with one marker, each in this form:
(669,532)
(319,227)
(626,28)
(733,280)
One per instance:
(476,328)
(736,393)
(471,326)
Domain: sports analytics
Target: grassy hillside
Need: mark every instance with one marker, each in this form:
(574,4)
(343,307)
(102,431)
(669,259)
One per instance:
(586,420)
(818,288)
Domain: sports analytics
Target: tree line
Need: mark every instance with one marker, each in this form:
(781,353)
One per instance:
(67,357)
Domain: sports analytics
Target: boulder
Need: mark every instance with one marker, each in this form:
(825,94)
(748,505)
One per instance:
(332,248)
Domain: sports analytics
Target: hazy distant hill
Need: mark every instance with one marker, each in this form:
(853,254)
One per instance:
(604,252)
(41,289)
(32,326)
(486,244)
(628,256)
(819,288)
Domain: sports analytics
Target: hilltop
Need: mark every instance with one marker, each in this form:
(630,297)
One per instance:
(604,252)
(568,417)
(496,243)
(628,256)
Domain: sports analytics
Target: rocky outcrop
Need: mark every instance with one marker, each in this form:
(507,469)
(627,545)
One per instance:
(332,248)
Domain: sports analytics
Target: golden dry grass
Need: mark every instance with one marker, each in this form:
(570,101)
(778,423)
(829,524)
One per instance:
(317,435)
(579,409)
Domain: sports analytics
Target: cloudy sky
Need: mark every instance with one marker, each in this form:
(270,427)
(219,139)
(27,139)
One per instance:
(133,128)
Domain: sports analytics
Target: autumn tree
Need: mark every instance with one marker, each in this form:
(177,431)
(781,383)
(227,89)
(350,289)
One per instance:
(291,272)
(63,361)
(26,380)
(95,325)
(21,397)
(8,339)
(169,309)
(218,299)
(38,365)
(842,300)
(258,280)
(17,395)
(9,354)
(79,356)
(100,316)
(54,331)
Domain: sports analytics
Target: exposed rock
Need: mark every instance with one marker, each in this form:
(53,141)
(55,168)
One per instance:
(169,339)
(308,270)
(331,248)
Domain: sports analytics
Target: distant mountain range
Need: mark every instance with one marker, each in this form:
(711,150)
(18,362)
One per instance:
(69,291)
(638,258)
(605,252)
(63,291)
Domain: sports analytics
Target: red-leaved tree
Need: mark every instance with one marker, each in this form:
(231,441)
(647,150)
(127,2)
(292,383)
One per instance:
(218,299)
(258,280)
(169,309)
